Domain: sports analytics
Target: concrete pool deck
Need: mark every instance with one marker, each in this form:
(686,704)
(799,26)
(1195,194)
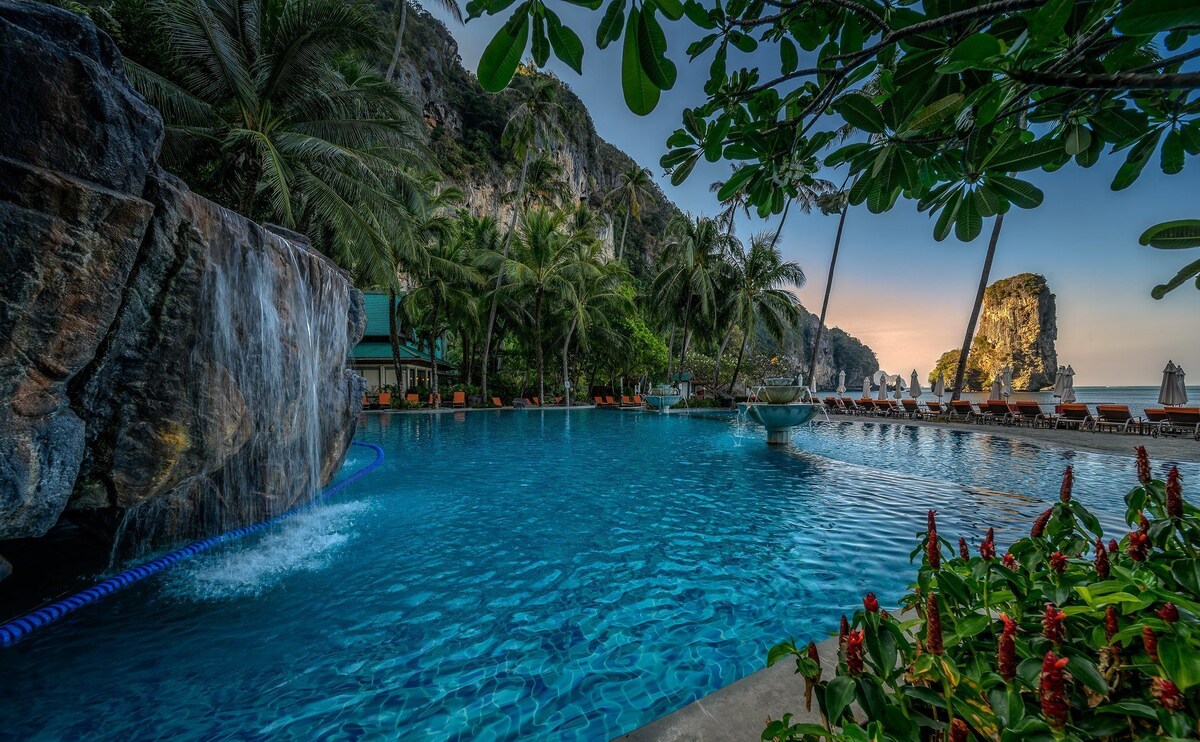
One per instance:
(739,711)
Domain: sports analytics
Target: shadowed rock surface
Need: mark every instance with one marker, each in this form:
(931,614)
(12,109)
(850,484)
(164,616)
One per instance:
(168,367)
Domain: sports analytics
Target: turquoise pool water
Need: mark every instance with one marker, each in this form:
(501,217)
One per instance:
(540,574)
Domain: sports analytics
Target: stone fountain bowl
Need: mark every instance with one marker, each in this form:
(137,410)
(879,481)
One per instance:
(780,390)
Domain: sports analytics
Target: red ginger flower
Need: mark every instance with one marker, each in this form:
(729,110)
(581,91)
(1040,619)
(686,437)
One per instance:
(933,626)
(1150,642)
(1009,561)
(1101,561)
(987,549)
(1039,525)
(933,549)
(1052,624)
(1143,465)
(1143,524)
(1006,654)
(843,632)
(1168,613)
(1113,546)
(854,652)
(1058,562)
(1174,494)
(931,522)
(958,730)
(1110,623)
(810,682)
(1068,481)
(871,603)
(963,551)
(1167,694)
(1052,690)
(1139,546)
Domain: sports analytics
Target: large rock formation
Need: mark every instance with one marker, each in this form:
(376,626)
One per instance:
(1017,327)
(160,357)
(839,351)
(466,124)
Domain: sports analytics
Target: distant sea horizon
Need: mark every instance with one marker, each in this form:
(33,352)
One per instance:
(1137,397)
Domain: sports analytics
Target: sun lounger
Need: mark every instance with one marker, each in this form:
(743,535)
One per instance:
(881,407)
(1185,420)
(1074,414)
(833,404)
(1116,416)
(366,402)
(933,410)
(637,400)
(912,407)
(385,399)
(961,408)
(854,408)
(998,410)
(496,402)
(558,400)
(1156,421)
(608,401)
(1030,412)
(626,401)
(459,399)
(412,398)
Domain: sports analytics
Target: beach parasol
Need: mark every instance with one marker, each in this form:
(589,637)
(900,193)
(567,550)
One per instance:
(997,390)
(914,385)
(1068,395)
(1169,394)
(939,386)
(866,387)
(1060,381)
(1180,385)
(841,387)
(883,382)
(1006,381)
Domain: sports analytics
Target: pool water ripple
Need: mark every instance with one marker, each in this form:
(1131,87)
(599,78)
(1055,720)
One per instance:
(530,575)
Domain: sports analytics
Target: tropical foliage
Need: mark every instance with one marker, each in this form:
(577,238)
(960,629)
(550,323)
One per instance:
(959,99)
(1068,635)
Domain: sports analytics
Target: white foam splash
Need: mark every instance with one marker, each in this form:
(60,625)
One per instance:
(304,543)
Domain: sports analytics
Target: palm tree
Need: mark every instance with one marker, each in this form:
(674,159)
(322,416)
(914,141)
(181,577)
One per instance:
(541,270)
(592,296)
(444,291)
(692,263)
(545,184)
(292,128)
(635,186)
(484,239)
(532,125)
(450,6)
(759,296)
(830,203)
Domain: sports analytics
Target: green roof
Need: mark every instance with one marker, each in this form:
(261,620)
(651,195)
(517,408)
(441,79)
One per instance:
(383,351)
(377,315)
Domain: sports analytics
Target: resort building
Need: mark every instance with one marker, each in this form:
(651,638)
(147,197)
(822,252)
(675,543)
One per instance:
(372,357)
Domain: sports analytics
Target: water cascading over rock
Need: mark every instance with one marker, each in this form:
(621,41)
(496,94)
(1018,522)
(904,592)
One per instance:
(168,367)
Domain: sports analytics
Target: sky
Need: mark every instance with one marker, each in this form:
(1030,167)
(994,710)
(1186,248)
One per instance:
(896,289)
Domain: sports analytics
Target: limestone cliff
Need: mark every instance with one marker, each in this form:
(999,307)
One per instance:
(165,364)
(1017,327)
(839,351)
(466,123)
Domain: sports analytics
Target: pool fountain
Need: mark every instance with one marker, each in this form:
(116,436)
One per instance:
(661,398)
(777,409)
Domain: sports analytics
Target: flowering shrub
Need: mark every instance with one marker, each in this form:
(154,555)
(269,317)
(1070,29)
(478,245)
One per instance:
(1066,636)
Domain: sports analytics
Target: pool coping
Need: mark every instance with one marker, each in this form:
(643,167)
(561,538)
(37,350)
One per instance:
(740,710)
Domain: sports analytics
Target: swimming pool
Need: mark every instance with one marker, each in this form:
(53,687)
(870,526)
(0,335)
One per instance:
(537,574)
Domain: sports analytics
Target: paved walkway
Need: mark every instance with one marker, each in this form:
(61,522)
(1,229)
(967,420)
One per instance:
(739,711)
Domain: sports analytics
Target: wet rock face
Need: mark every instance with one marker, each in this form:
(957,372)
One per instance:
(165,363)
(1018,321)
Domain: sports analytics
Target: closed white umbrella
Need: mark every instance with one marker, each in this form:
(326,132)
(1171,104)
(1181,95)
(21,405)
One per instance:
(841,387)
(866,387)
(997,390)
(1068,396)
(1060,381)
(1168,393)
(914,385)
(1006,381)
(883,382)
(812,386)
(1180,386)
(939,386)
(899,387)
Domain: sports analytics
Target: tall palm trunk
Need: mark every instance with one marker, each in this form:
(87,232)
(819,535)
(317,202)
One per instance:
(391,70)
(720,352)
(433,366)
(566,376)
(671,354)
(394,336)
(961,371)
(687,318)
(624,230)
(837,243)
(537,330)
(737,368)
(512,226)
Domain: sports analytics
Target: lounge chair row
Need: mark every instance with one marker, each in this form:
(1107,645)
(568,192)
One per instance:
(625,401)
(383,400)
(1167,421)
